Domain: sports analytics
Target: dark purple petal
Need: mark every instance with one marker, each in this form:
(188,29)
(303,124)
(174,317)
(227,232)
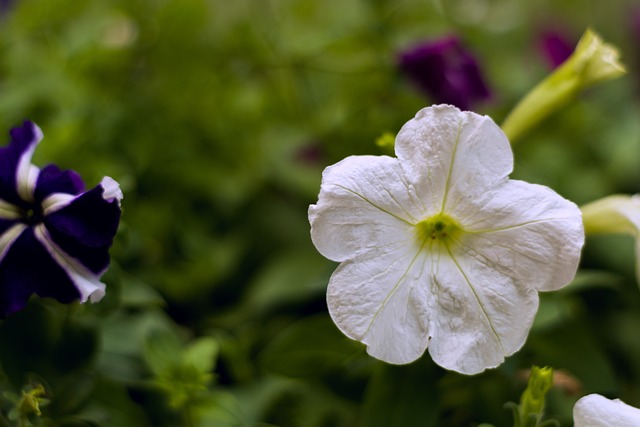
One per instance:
(5,224)
(555,47)
(85,228)
(446,72)
(53,180)
(473,80)
(23,139)
(28,269)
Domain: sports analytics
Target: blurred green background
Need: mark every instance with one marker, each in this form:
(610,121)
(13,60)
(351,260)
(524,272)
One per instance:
(217,118)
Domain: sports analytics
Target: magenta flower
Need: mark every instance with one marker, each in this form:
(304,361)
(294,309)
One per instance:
(54,236)
(446,72)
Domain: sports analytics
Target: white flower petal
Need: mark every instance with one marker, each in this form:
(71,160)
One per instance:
(112,190)
(363,202)
(380,299)
(594,410)
(453,156)
(528,231)
(480,315)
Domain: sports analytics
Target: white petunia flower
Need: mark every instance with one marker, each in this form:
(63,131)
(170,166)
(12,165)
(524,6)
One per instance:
(439,249)
(594,410)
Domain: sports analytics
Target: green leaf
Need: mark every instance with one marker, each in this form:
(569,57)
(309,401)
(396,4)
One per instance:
(289,278)
(111,405)
(202,354)
(124,338)
(593,367)
(72,393)
(401,396)
(220,409)
(162,352)
(311,347)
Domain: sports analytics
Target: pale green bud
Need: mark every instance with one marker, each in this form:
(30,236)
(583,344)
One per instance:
(593,61)
(532,400)
(617,214)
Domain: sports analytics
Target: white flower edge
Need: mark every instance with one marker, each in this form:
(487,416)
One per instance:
(595,410)
(112,190)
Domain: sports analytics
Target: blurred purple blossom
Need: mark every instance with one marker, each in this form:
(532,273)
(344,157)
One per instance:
(634,37)
(555,47)
(5,6)
(635,23)
(310,154)
(445,71)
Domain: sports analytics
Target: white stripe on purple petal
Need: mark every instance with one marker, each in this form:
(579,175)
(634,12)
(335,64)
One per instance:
(87,283)
(9,211)
(8,237)
(26,173)
(56,201)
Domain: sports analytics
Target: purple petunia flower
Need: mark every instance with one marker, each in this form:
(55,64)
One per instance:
(5,7)
(446,72)
(555,48)
(635,23)
(54,236)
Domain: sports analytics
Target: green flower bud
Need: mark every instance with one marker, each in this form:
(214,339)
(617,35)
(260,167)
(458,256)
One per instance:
(32,399)
(532,400)
(592,62)
(28,403)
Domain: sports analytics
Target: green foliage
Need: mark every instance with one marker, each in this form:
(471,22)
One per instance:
(182,374)
(397,396)
(218,118)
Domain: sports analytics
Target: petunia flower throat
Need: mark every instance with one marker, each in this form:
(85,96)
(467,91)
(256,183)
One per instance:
(54,236)
(439,249)
(439,229)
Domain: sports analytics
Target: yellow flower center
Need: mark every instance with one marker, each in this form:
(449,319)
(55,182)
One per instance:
(438,228)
